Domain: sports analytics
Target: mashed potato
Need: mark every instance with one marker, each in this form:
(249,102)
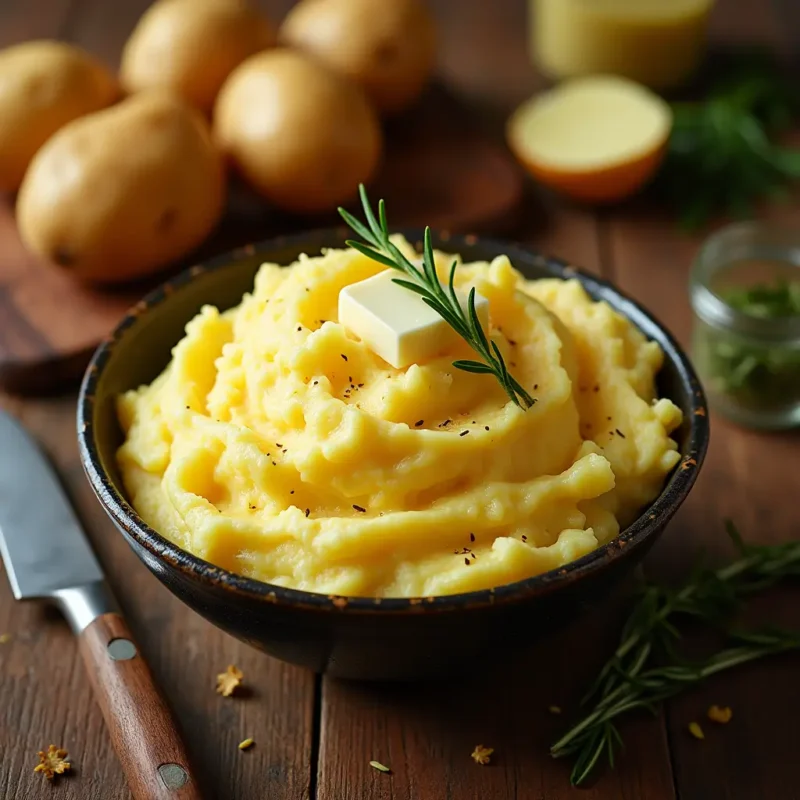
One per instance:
(277,446)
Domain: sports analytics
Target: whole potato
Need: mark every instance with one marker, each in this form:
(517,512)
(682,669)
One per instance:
(191,46)
(301,135)
(119,193)
(388,48)
(43,86)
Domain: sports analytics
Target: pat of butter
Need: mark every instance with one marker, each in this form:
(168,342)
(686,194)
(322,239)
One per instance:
(395,323)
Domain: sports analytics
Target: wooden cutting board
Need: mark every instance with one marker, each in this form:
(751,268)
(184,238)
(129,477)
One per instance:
(439,170)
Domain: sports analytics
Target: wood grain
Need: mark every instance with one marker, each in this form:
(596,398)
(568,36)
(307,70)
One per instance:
(144,733)
(426,734)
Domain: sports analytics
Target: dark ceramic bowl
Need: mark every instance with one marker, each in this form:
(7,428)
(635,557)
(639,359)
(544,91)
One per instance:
(360,637)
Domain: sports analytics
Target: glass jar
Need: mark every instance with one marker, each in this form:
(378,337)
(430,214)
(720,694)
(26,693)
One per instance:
(745,293)
(658,43)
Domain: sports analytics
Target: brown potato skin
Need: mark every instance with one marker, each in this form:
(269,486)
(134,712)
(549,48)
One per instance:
(387,47)
(118,194)
(191,46)
(44,85)
(300,135)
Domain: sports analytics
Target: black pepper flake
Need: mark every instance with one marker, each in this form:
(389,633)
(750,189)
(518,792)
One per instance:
(292,492)
(252,507)
(608,418)
(535,386)
(359,509)
(473,422)
(486,427)
(299,327)
(349,378)
(463,433)
(467,561)
(419,423)
(472,555)
(274,464)
(360,385)
(284,450)
(278,444)
(620,433)
(187,408)
(316,382)
(308,511)
(343,356)
(445,423)
(524,538)
(513,363)
(472,537)
(512,342)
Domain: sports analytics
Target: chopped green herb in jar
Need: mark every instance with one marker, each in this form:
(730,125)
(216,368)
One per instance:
(757,373)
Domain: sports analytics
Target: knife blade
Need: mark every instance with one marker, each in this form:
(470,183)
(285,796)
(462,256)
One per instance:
(47,556)
(41,540)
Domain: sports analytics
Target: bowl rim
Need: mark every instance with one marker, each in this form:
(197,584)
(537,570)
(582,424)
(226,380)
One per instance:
(649,523)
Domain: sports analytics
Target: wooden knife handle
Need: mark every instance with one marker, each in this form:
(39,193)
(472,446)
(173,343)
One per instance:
(138,718)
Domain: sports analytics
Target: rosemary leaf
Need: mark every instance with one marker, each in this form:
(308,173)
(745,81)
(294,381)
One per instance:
(358,227)
(370,252)
(473,366)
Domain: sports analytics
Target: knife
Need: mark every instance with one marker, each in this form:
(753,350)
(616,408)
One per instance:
(47,556)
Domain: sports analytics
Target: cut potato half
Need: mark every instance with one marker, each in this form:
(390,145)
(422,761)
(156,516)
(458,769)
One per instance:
(597,139)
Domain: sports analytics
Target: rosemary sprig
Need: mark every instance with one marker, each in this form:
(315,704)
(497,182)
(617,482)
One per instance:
(443,300)
(724,146)
(646,667)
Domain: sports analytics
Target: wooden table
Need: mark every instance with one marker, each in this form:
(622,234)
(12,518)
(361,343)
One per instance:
(314,737)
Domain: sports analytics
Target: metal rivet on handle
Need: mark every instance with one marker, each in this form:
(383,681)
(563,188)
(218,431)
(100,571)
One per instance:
(121,649)
(173,776)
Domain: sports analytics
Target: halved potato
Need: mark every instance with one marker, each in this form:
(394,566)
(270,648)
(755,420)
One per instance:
(597,139)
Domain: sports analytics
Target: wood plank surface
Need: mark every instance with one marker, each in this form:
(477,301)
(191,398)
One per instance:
(314,739)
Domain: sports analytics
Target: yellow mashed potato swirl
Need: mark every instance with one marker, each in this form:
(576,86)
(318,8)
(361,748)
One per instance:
(279,447)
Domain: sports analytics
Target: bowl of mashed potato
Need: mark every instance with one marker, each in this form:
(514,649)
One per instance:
(306,496)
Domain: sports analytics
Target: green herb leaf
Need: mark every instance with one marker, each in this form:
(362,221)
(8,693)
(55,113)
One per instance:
(473,366)
(720,157)
(756,374)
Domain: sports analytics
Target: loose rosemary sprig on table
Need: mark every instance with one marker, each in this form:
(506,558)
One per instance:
(646,668)
(443,300)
